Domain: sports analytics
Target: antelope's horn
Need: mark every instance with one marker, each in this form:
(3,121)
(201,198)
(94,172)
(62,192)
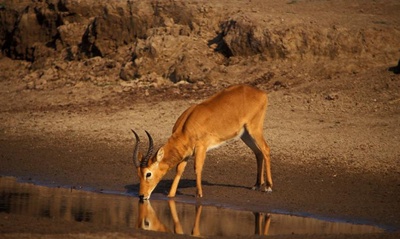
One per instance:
(145,160)
(136,161)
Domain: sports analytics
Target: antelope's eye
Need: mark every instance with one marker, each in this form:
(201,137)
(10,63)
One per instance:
(148,175)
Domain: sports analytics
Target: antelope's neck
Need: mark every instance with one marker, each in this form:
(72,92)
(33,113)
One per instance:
(176,150)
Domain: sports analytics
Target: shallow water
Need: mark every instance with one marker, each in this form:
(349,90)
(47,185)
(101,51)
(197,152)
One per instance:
(158,215)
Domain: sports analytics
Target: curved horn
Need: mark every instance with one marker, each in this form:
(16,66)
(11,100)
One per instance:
(145,160)
(136,161)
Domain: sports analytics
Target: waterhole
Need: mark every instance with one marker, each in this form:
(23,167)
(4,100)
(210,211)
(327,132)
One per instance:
(106,209)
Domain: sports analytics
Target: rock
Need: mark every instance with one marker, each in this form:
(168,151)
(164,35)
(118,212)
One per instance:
(128,72)
(395,69)
(35,26)
(30,85)
(332,96)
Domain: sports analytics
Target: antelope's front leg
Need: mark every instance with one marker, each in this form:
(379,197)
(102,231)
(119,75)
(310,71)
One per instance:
(267,157)
(179,171)
(198,168)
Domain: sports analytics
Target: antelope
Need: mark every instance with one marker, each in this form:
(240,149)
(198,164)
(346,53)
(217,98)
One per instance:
(237,111)
(148,220)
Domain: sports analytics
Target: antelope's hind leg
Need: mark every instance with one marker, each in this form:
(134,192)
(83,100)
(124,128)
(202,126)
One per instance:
(200,156)
(249,141)
(256,142)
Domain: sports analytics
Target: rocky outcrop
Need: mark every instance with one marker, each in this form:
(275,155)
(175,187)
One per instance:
(160,42)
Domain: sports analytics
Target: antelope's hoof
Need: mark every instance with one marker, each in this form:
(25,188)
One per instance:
(262,188)
(268,190)
(256,187)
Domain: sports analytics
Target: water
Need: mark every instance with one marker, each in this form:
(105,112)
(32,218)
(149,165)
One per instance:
(158,215)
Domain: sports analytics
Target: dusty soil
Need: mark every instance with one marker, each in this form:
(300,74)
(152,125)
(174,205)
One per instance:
(333,122)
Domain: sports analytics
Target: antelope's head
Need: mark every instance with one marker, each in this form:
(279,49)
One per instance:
(148,167)
(148,220)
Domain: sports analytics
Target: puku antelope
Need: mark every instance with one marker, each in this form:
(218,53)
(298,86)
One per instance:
(148,220)
(237,111)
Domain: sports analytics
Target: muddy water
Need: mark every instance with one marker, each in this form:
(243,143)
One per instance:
(158,215)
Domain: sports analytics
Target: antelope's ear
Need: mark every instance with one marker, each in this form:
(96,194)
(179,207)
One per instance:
(160,154)
(140,157)
(138,161)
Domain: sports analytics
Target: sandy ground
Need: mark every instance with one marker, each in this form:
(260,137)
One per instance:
(331,158)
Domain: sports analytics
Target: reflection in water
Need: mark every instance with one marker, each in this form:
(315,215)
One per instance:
(208,221)
(66,204)
(166,216)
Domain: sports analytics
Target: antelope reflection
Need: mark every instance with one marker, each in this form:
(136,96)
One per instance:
(75,206)
(262,223)
(148,220)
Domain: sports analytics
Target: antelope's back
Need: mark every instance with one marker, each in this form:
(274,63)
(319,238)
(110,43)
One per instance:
(225,113)
(241,99)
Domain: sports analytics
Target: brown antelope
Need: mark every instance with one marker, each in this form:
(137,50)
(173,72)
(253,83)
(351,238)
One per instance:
(237,111)
(148,220)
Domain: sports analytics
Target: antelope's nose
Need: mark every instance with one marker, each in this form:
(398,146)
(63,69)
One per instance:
(141,197)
